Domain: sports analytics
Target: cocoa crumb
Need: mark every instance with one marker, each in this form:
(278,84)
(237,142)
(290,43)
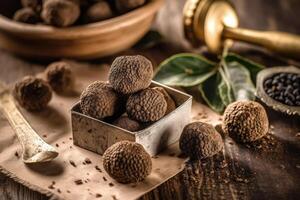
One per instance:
(72,163)
(57,145)
(87,161)
(70,138)
(98,168)
(114,197)
(104,178)
(58,190)
(17,154)
(68,191)
(52,185)
(45,136)
(78,182)
(111,184)
(98,195)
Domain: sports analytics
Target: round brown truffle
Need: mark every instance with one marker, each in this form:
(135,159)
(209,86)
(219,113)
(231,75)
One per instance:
(127,162)
(99,100)
(26,15)
(130,74)
(98,11)
(60,76)
(170,102)
(124,6)
(245,121)
(34,4)
(61,13)
(32,93)
(148,105)
(200,140)
(127,124)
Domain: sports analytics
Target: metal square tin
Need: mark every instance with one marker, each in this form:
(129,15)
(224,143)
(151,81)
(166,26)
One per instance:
(96,135)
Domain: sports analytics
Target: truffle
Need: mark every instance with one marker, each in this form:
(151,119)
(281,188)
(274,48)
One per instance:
(170,102)
(124,6)
(148,105)
(127,162)
(127,124)
(99,100)
(32,93)
(60,76)
(130,74)
(26,15)
(61,13)
(34,4)
(200,140)
(98,11)
(245,121)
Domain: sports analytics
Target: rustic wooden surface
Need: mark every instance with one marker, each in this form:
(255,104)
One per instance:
(268,169)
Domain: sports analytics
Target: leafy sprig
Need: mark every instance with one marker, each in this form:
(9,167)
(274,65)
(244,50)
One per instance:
(232,78)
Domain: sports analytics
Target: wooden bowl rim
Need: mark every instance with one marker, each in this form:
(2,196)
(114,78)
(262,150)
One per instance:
(87,30)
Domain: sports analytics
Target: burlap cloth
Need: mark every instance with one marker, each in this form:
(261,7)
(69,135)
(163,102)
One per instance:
(57,178)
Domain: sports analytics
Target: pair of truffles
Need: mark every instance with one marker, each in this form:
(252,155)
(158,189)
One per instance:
(64,13)
(128,89)
(34,93)
(244,121)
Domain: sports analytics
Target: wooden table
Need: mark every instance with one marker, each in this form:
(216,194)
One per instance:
(268,169)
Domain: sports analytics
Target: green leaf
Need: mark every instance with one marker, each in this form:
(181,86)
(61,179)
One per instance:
(240,81)
(253,67)
(210,91)
(225,89)
(185,70)
(151,39)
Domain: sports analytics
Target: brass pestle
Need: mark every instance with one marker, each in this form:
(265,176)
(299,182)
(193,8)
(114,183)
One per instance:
(213,22)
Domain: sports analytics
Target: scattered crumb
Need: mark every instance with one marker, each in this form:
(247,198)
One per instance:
(98,195)
(98,168)
(104,178)
(87,161)
(17,154)
(58,190)
(57,145)
(52,185)
(114,197)
(68,191)
(63,142)
(70,138)
(45,136)
(111,184)
(78,182)
(72,163)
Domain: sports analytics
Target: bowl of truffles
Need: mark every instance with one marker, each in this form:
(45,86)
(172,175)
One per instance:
(79,29)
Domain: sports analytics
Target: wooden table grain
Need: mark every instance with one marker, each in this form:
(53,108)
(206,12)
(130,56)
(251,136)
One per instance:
(268,169)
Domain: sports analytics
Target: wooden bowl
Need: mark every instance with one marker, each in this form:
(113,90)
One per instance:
(88,41)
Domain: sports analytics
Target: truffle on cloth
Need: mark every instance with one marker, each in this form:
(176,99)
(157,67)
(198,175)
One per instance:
(127,162)
(32,93)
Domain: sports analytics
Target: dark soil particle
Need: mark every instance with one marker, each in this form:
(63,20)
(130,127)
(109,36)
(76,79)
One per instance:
(78,182)
(72,163)
(98,195)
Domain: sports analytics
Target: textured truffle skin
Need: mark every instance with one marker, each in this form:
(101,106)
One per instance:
(60,76)
(170,102)
(32,93)
(127,124)
(98,11)
(34,4)
(26,15)
(148,105)
(61,13)
(130,74)
(127,162)
(245,121)
(124,6)
(99,100)
(200,140)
